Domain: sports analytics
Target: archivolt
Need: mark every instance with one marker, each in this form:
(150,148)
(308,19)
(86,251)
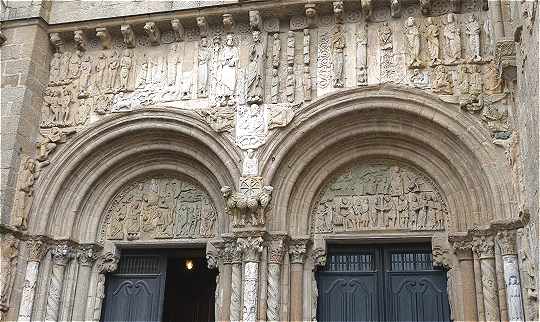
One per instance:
(88,170)
(388,122)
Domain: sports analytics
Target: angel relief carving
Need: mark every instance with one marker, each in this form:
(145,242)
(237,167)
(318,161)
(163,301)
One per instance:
(160,208)
(379,196)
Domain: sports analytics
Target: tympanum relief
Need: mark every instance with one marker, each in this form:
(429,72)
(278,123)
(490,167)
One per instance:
(160,208)
(379,196)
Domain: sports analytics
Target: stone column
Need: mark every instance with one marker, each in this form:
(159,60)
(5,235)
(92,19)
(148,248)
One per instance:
(107,263)
(485,249)
(507,243)
(496,17)
(86,256)
(466,268)
(236,283)
(478,286)
(251,250)
(275,259)
(61,254)
(225,280)
(297,252)
(36,251)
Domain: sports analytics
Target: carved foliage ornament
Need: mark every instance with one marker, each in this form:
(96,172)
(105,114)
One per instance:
(379,196)
(160,208)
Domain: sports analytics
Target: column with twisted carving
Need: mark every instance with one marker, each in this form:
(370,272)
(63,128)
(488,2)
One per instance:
(484,246)
(36,251)
(106,263)
(61,254)
(463,252)
(507,243)
(236,282)
(86,256)
(275,260)
(251,251)
(297,252)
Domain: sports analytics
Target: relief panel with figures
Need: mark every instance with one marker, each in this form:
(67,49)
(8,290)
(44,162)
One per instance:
(379,196)
(160,208)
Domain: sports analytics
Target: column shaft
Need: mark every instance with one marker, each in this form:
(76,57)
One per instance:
(273,299)
(54,292)
(496,16)
(81,292)
(236,288)
(29,289)
(297,270)
(489,288)
(251,277)
(513,289)
(225,277)
(478,286)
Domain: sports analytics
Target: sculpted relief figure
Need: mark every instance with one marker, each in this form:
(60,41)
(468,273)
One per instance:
(85,78)
(386,52)
(160,208)
(338,45)
(54,71)
(8,266)
(100,72)
(202,70)
(452,36)
(441,81)
(254,70)
(472,28)
(493,83)
(290,83)
(111,71)
(229,65)
(126,63)
(470,88)
(379,196)
(276,50)
(413,42)
(28,174)
(172,65)
(291,39)
(361,58)
(432,39)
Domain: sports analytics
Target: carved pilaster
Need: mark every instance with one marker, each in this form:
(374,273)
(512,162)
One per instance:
(104,37)
(153,33)
(129,35)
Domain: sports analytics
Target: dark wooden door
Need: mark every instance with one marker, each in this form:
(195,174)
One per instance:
(381,284)
(135,291)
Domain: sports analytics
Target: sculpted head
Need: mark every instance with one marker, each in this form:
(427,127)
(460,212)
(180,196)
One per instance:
(226,191)
(229,41)
(410,21)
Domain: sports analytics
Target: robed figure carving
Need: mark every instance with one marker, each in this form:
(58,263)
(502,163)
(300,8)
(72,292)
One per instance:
(254,70)
(229,65)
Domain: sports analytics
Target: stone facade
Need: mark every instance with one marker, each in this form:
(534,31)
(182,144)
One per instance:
(265,133)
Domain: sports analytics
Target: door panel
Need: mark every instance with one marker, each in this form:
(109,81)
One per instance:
(381,284)
(135,291)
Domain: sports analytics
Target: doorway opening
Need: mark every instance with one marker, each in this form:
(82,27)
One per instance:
(161,286)
(382,283)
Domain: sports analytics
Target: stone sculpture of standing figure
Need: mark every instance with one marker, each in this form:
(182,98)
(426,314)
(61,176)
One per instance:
(112,71)
(204,57)
(23,195)
(254,70)
(413,42)
(291,85)
(453,40)
(432,39)
(126,63)
(473,31)
(229,64)
(290,47)
(338,45)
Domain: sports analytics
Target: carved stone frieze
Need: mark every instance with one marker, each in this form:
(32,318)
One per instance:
(379,196)
(160,208)
(247,207)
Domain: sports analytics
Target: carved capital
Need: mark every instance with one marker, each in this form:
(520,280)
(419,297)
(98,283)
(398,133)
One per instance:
(255,21)
(36,250)
(319,256)
(87,255)
(178,29)
(107,263)
(297,250)
(153,33)
(506,239)
(276,249)
(202,23)
(214,254)
(61,253)
(56,41)
(228,23)
(251,248)
(80,40)
(104,37)
(440,256)
(247,207)
(129,35)
(484,246)
(463,249)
